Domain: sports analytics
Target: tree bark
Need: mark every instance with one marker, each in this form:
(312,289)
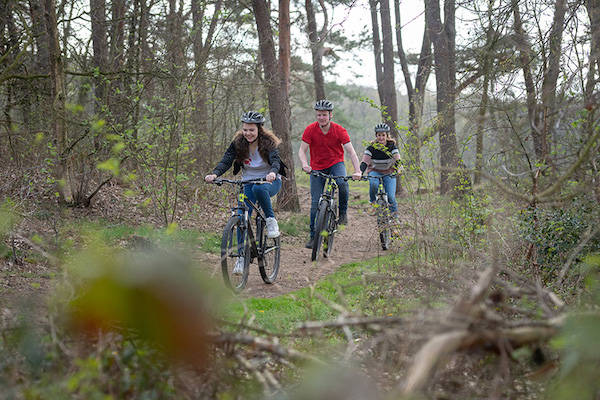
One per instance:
(377,48)
(389,102)
(590,96)
(202,47)
(481,116)
(59,129)
(316,46)
(416,94)
(443,39)
(100,48)
(277,81)
(541,116)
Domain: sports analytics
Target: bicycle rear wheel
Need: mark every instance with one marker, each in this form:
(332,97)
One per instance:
(232,249)
(383,224)
(269,257)
(321,225)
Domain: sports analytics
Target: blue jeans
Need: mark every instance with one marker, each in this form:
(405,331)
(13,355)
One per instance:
(262,194)
(389,185)
(317,184)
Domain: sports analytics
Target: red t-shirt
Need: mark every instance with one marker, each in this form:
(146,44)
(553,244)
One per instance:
(325,149)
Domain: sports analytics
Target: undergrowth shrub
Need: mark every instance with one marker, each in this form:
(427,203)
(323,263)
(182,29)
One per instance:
(471,212)
(557,231)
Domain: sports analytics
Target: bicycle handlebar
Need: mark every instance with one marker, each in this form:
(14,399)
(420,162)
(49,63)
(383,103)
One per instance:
(219,181)
(319,173)
(366,177)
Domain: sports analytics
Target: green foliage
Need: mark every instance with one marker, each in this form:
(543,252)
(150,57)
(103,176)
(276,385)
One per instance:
(555,232)
(579,376)
(470,213)
(8,219)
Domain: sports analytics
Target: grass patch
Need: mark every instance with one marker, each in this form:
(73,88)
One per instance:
(285,313)
(295,225)
(122,234)
(210,242)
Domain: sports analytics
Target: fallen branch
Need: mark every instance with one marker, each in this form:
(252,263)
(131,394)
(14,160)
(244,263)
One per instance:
(264,345)
(446,343)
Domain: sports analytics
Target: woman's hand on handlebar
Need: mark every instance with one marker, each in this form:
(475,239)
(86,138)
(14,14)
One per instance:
(210,177)
(270,177)
(356,176)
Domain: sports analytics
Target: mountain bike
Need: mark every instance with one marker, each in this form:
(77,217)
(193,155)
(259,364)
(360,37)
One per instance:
(326,219)
(385,219)
(239,241)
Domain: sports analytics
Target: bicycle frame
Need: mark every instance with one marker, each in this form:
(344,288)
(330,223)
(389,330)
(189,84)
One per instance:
(323,221)
(383,214)
(243,211)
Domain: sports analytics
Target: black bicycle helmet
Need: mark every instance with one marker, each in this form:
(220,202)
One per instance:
(253,117)
(382,128)
(324,105)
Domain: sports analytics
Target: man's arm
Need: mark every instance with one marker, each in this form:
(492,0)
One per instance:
(302,156)
(349,149)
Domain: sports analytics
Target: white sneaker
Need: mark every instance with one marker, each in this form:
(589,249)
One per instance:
(272,228)
(239,266)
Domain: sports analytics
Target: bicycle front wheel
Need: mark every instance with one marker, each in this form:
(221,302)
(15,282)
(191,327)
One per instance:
(331,227)
(269,257)
(234,250)
(321,225)
(383,224)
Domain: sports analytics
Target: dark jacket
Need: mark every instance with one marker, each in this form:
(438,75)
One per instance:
(230,156)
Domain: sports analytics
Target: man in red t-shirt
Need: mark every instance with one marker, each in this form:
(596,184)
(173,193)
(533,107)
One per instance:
(327,142)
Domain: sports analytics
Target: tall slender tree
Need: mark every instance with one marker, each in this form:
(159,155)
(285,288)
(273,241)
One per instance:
(202,45)
(541,112)
(276,74)
(316,38)
(416,92)
(443,36)
(58,96)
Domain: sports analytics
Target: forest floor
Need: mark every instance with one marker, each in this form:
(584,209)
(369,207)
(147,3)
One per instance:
(28,276)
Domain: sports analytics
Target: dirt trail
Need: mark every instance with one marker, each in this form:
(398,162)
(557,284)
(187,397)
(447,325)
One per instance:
(359,240)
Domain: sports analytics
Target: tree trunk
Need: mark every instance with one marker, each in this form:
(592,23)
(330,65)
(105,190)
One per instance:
(117,55)
(443,39)
(541,116)
(389,101)
(59,130)
(377,48)
(277,81)
(590,97)
(481,116)
(100,56)
(549,83)
(480,129)
(39,93)
(416,94)
(316,46)
(202,49)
